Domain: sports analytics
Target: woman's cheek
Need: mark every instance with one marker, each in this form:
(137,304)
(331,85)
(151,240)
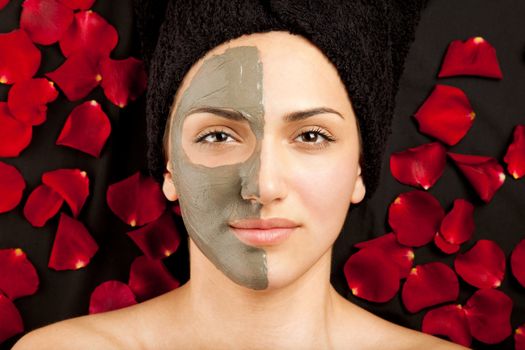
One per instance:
(326,193)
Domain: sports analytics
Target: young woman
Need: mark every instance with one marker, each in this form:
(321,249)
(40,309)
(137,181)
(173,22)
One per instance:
(263,151)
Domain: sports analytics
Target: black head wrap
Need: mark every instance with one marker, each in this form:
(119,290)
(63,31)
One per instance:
(366,40)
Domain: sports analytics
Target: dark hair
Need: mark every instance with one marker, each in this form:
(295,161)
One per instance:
(367,41)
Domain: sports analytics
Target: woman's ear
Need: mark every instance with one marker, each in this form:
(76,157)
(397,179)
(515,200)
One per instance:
(168,187)
(359,188)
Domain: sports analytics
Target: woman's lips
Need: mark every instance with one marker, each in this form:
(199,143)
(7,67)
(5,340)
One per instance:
(259,232)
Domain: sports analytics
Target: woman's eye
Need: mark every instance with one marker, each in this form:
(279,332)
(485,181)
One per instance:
(316,137)
(215,137)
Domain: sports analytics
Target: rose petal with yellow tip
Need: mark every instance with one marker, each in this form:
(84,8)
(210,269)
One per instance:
(515,155)
(20,58)
(136,200)
(449,321)
(71,184)
(415,217)
(73,247)
(77,76)
(419,166)
(483,266)
(86,129)
(123,80)
(400,255)
(474,56)
(428,285)
(446,114)
(28,99)
(158,239)
(485,174)
(488,314)
(18,277)
(371,276)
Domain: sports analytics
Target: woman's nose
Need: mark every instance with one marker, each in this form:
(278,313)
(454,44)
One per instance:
(263,180)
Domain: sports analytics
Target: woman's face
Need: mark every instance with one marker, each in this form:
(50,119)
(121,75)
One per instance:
(262,129)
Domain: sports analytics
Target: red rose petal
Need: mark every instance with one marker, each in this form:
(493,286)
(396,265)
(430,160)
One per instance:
(415,217)
(371,276)
(45,21)
(27,100)
(149,278)
(78,4)
(11,321)
(401,256)
(428,285)
(18,277)
(444,246)
(111,295)
(86,129)
(457,226)
(519,337)
(449,321)
(20,58)
(89,34)
(488,314)
(158,239)
(446,114)
(77,76)
(484,173)
(483,266)
(41,205)
(419,166)
(123,80)
(12,186)
(73,247)
(15,136)
(517,262)
(136,200)
(3,3)
(71,184)
(515,155)
(474,56)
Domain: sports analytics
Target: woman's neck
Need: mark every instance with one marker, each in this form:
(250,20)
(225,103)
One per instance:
(228,315)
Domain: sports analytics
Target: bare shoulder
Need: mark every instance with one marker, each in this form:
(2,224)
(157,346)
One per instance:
(145,325)
(76,333)
(373,332)
(110,330)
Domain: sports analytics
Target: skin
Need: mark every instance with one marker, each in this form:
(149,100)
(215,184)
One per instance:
(299,309)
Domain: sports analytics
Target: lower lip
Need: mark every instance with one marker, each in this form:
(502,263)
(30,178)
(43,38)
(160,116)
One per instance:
(258,237)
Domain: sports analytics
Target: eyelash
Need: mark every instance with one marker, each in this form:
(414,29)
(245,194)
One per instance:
(317,131)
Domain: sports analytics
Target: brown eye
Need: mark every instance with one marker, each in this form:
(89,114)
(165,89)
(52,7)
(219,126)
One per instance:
(315,138)
(214,137)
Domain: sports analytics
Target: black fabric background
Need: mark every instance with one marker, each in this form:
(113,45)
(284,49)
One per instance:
(499,105)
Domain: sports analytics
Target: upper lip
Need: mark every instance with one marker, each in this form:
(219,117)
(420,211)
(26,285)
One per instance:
(263,224)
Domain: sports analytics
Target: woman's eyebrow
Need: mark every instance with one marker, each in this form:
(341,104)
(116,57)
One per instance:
(226,113)
(301,115)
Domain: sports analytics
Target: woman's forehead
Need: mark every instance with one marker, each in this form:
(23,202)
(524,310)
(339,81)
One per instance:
(295,73)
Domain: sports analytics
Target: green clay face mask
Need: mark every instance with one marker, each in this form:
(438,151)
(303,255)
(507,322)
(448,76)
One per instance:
(211,197)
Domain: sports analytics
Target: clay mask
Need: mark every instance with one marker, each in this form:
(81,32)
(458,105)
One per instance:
(210,197)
